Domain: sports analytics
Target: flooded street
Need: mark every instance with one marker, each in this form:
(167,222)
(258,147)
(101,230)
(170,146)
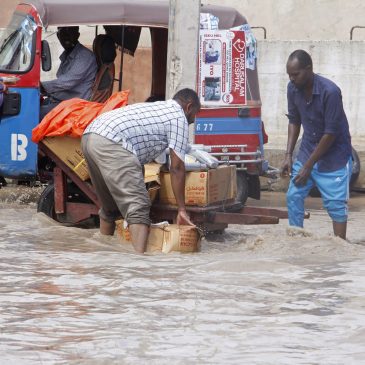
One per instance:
(253,295)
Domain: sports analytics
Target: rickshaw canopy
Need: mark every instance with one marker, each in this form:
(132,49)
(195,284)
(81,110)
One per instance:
(117,12)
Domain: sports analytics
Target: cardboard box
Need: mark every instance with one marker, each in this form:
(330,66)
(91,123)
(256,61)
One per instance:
(165,237)
(202,188)
(68,149)
(152,179)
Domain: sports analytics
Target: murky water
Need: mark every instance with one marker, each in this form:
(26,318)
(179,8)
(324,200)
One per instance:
(254,295)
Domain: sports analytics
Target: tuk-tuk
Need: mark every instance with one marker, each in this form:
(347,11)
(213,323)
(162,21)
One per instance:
(234,134)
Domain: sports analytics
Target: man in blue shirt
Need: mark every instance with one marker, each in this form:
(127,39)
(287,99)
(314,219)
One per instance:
(324,158)
(76,74)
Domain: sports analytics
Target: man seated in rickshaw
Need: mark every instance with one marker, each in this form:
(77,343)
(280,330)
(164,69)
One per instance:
(76,74)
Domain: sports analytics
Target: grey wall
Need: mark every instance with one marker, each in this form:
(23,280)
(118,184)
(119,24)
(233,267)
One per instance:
(284,19)
(302,19)
(341,61)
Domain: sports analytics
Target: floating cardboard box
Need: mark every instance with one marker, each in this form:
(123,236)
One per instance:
(202,188)
(165,237)
(69,150)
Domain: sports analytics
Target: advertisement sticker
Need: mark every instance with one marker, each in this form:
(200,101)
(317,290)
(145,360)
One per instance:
(222,68)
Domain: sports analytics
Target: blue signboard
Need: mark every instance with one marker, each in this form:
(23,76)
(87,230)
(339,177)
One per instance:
(227,126)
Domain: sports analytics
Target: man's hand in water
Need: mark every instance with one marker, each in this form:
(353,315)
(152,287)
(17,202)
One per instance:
(183,218)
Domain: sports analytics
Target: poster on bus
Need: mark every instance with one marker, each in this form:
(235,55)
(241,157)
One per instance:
(222,68)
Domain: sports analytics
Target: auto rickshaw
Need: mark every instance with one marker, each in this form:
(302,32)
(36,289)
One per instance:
(233,133)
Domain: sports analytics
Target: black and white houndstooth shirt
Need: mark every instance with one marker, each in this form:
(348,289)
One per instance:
(145,129)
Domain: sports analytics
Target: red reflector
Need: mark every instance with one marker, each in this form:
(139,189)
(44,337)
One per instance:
(255,112)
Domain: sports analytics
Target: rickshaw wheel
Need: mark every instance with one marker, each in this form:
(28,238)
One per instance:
(46,205)
(242,187)
(46,202)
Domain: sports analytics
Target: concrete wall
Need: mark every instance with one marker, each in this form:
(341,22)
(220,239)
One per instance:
(284,19)
(302,19)
(341,61)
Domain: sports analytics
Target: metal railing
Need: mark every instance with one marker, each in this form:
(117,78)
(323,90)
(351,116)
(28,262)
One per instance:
(353,28)
(262,28)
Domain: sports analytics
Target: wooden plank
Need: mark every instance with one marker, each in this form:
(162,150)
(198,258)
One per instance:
(78,212)
(238,218)
(232,206)
(274,212)
(60,190)
(282,214)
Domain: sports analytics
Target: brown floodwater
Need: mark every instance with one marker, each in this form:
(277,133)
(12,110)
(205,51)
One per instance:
(254,294)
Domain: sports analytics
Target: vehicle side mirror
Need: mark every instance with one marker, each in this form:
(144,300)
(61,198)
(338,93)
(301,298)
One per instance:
(46,57)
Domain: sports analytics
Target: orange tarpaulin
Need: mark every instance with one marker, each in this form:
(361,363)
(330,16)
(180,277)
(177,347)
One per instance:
(71,117)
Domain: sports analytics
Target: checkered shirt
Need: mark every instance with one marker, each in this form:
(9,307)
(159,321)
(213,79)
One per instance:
(145,129)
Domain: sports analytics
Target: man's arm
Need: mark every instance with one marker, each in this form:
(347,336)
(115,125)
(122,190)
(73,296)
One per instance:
(177,173)
(324,144)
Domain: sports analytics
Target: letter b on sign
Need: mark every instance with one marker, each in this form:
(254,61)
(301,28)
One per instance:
(19,143)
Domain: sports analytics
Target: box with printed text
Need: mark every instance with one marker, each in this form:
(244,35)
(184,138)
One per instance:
(165,237)
(202,188)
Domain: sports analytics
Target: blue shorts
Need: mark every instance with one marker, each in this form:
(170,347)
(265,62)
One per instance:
(334,187)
